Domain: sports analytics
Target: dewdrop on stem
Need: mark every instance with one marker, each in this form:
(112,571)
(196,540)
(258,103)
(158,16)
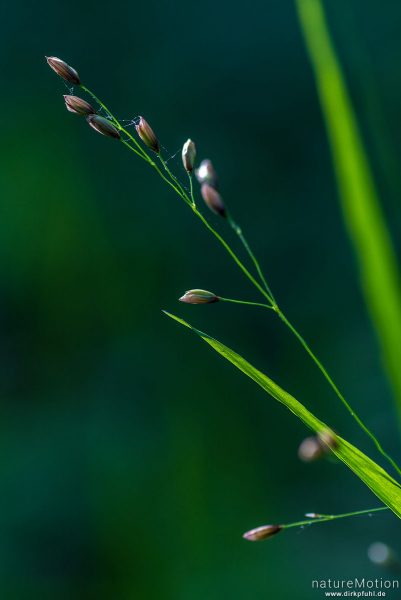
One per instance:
(147,135)
(199,297)
(63,70)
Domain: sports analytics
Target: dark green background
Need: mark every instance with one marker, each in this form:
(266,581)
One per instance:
(132,458)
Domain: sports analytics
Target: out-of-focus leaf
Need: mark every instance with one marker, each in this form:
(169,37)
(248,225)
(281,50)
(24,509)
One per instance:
(362,211)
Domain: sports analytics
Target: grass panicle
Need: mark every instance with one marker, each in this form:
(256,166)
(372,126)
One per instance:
(374,476)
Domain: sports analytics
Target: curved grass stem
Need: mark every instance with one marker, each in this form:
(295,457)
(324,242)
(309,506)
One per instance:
(232,254)
(174,178)
(237,229)
(324,518)
(245,302)
(191,188)
(156,168)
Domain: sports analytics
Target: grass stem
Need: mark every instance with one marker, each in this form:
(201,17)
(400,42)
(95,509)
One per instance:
(324,518)
(245,302)
(237,229)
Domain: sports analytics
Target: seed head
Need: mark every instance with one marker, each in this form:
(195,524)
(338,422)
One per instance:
(78,106)
(147,135)
(199,297)
(262,533)
(103,126)
(206,173)
(311,449)
(188,155)
(328,439)
(63,70)
(213,200)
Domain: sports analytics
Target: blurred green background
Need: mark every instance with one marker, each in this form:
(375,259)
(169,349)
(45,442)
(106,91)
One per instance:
(132,457)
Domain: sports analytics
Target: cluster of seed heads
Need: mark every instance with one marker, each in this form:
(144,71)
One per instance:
(205,174)
(312,447)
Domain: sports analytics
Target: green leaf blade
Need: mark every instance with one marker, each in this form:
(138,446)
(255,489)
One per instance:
(387,489)
(360,201)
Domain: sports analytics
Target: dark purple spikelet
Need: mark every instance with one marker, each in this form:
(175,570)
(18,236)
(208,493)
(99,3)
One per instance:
(147,135)
(328,438)
(199,297)
(78,106)
(262,533)
(63,70)
(103,126)
(213,200)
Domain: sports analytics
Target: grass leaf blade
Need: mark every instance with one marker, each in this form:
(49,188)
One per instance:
(373,475)
(361,207)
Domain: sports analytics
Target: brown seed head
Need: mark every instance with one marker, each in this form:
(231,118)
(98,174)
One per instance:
(199,297)
(213,200)
(328,439)
(147,135)
(310,449)
(63,70)
(78,106)
(103,126)
(206,173)
(262,533)
(188,155)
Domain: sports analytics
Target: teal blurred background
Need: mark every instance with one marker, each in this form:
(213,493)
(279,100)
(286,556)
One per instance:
(132,457)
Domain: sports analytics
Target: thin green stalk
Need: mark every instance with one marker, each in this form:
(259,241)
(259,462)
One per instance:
(133,149)
(363,215)
(324,518)
(237,229)
(88,91)
(232,254)
(154,165)
(191,188)
(174,178)
(245,302)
